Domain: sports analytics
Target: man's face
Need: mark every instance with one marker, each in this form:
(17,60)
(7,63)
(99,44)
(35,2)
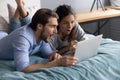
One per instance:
(49,29)
(67,24)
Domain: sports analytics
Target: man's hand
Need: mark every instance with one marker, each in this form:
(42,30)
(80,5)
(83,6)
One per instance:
(58,61)
(54,56)
(66,61)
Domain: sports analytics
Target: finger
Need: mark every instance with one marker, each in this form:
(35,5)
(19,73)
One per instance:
(71,62)
(74,58)
(58,56)
(75,41)
(71,58)
(74,46)
(50,58)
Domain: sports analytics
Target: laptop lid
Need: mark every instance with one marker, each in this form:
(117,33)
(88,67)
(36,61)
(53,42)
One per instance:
(87,48)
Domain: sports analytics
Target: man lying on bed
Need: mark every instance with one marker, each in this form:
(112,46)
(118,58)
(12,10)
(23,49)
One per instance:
(23,42)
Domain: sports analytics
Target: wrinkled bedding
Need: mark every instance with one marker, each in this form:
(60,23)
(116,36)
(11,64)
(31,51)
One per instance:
(104,66)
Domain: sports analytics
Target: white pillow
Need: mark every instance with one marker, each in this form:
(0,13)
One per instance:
(11,10)
(3,24)
(3,34)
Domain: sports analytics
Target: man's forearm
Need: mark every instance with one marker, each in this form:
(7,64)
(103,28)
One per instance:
(38,66)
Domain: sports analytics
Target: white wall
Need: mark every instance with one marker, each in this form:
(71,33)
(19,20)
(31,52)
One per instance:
(76,4)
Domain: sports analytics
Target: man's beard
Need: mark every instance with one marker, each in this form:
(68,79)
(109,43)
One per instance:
(46,39)
(43,37)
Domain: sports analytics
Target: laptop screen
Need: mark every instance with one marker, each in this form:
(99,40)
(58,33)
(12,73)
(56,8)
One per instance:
(87,48)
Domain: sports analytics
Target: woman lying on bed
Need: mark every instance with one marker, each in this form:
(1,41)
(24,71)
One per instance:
(69,31)
(32,38)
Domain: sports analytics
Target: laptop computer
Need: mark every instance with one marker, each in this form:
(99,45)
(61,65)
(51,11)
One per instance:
(87,48)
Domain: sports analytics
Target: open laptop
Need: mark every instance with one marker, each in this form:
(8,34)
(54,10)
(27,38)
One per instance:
(87,48)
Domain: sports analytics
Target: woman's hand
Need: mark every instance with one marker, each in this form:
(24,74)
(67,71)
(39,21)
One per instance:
(72,45)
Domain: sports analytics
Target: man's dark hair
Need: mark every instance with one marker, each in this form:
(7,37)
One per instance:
(64,10)
(42,16)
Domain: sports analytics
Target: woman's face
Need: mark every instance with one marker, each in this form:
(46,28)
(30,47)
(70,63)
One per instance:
(66,25)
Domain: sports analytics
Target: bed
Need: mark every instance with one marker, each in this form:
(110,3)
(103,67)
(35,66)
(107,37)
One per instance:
(104,66)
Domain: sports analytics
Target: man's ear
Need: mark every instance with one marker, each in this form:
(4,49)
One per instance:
(39,26)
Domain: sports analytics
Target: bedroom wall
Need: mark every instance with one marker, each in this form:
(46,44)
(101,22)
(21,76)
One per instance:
(78,5)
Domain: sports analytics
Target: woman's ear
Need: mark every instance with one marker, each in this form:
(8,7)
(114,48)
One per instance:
(39,26)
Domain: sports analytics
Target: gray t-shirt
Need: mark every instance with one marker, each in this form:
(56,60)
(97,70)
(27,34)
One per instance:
(79,35)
